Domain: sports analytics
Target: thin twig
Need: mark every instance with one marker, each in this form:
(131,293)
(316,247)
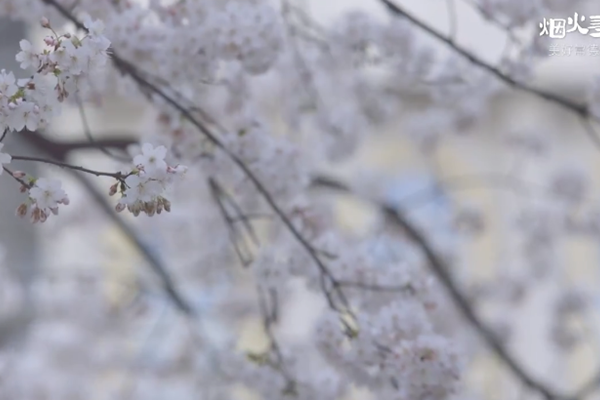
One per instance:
(116,175)
(11,173)
(269,317)
(241,216)
(233,233)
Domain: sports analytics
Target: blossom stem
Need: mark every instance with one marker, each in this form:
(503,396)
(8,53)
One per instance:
(116,175)
(21,181)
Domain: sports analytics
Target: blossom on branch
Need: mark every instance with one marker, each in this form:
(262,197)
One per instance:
(45,195)
(144,187)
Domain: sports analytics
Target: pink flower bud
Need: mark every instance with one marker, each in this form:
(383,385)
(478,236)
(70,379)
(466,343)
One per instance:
(44,22)
(113,189)
(35,215)
(120,207)
(19,174)
(167,205)
(150,208)
(50,41)
(22,210)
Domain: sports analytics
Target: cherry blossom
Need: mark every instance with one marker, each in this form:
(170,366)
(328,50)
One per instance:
(152,159)
(27,57)
(8,85)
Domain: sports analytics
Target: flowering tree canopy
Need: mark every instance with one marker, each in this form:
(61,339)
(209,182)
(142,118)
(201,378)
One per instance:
(231,190)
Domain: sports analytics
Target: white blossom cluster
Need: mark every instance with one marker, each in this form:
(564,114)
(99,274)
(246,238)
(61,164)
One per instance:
(189,41)
(143,188)
(45,195)
(57,71)
(250,33)
(60,69)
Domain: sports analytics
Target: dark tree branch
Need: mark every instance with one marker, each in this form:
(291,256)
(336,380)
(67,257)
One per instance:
(127,69)
(60,150)
(440,269)
(400,12)
(579,109)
